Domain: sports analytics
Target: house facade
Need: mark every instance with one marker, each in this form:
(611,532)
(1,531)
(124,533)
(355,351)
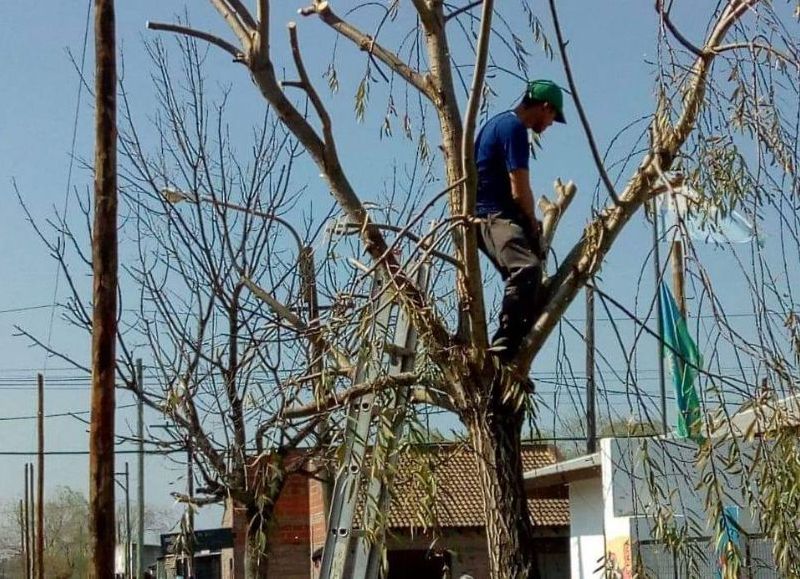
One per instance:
(432,535)
(614,505)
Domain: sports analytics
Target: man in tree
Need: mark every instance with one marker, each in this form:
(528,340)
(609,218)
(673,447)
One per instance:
(509,233)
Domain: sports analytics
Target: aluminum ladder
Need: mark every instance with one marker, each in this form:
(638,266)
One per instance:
(343,559)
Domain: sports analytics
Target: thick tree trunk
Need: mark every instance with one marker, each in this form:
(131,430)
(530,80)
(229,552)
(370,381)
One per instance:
(496,432)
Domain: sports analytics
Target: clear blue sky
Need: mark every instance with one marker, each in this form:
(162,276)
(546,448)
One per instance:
(611,45)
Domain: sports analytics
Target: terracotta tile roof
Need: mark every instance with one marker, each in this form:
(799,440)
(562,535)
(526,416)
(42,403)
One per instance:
(439,483)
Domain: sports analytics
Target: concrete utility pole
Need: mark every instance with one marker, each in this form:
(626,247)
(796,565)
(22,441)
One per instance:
(140,460)
(104,313)
(591,417)
(40,484)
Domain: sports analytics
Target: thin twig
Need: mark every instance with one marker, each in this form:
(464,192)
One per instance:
(456,13)
(675,32)
(562,47)
(756,46)
(369,45)
(411,224)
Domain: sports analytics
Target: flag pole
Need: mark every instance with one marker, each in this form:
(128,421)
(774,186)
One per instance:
(662,384)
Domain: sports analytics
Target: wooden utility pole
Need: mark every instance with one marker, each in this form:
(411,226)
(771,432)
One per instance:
(104,313)
(190,491)
(23,546)
(591,417)
(26,526)
(127,522)
(40,483)
(140,480)
(31,522)
(677,274)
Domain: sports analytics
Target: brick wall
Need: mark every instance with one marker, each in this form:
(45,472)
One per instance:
(318,515)
(291,536)
(290,556)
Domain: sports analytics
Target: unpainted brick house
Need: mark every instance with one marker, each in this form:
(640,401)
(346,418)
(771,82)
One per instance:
(456,510)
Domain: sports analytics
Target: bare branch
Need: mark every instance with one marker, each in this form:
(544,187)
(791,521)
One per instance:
(326,158)
(470,276)
(339,399)
(243,13)
(693,100)
(262,16)
(553,211)
(237,17)
(294,320)
(368,44)
(433,398)
(49,350)
(185,30)
(403,232)
(305,82)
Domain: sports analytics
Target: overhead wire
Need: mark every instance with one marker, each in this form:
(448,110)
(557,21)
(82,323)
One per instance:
(57,414)
(69,172)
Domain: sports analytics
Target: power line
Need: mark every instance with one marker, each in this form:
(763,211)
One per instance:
(569,319)
(58,414)
(86,452)
(69,172)
(24,309)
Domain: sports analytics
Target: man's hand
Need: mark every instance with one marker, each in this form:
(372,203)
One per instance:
(536,227)
(537,242)
(533,231)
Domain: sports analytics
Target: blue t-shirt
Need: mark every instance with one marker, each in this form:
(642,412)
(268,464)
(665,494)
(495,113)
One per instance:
(501,147)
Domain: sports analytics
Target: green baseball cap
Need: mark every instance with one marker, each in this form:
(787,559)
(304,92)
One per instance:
(549,92)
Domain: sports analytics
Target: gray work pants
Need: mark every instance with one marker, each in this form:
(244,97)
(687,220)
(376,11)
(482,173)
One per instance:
(513,252)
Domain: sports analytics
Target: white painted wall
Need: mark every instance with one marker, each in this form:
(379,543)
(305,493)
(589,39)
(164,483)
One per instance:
(587,542)
(617,530)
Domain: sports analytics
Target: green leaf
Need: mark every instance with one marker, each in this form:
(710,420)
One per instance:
(362,98)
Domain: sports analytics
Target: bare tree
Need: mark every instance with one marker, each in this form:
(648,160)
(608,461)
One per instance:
(487,398)
(219,296)
(67,548)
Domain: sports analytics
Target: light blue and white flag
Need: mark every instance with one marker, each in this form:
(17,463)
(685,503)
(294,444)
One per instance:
(704,221)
